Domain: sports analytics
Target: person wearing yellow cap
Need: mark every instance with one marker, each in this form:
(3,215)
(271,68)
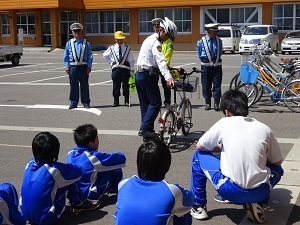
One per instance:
(120,58)
(78,59)
(209,50)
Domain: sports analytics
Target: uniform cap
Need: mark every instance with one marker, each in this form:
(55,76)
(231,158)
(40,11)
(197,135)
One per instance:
(119,35)
(212,26)
(156,21)
(76,26)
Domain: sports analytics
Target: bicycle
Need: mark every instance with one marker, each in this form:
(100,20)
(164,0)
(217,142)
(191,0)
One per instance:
(284,89)
(179,116)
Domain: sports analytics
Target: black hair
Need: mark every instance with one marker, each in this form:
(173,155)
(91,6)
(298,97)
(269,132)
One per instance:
(236,102)
(84,134)
(153,160)
(45,147)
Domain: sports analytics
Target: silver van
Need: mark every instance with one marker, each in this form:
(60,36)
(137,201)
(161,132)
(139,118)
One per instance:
(231,36)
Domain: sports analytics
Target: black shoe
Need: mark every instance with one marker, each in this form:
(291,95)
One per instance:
(116,102)
(86,106)
(86,206)
(147,134)
(72,106)
(208,107)
(126,103)
(217,107)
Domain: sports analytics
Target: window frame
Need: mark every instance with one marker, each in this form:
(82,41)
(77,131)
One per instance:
(151,13)
(242,25)
(282,18)
(28,25)
(7,25)
(110,24)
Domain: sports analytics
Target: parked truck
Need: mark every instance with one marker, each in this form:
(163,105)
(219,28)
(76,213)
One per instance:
(11,53)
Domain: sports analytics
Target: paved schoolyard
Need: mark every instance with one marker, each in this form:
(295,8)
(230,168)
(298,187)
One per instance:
(34,98)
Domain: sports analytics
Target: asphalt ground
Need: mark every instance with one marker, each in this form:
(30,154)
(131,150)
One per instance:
(34,98)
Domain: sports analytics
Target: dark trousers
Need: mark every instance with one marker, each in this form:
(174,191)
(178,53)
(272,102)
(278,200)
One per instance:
(120,76)
(78,76)
(149,98)
(212,76)
(167,90)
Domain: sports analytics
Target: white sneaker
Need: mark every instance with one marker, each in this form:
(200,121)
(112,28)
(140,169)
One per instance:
(255,212)
(199,212)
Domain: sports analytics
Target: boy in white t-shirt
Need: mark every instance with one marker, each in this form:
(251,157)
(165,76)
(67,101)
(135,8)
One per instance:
(250,162)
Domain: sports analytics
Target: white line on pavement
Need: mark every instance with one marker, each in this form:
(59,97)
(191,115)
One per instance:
(29,72)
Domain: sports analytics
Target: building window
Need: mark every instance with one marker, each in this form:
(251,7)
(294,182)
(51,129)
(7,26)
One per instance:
(5,29)
(287,16)
(26,21)
(46,28)
(182,17)
(106,22)
(237,15)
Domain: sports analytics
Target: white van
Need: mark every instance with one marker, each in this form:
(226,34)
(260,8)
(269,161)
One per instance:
(230,35)
(256,34)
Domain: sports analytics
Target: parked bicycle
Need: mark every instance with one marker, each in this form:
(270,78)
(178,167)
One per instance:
(179,116)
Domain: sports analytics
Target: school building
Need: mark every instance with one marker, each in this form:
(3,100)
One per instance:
(46,23)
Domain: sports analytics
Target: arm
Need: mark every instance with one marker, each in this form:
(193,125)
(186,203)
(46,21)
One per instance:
(274,152)
(65,174)
(89,57)
(199,48)
(107,54)
(66,58)
(109,161)
(131,60)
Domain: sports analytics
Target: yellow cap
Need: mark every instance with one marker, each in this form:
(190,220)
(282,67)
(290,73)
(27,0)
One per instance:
(119,35)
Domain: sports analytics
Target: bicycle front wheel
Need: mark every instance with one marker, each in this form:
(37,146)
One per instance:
(187,118)
(168,126)
(251,91)
(235,81)
(291,96)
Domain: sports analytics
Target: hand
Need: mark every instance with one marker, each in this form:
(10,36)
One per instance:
(170,82)
(68,70)
(88,70)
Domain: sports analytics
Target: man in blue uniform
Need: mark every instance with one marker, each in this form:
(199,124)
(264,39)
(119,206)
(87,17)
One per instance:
(209,50)
(78,59)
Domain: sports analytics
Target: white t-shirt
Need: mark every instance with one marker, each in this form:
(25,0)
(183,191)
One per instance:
(247,147)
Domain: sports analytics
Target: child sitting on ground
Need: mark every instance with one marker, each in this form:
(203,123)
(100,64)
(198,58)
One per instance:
(148,198)
(47,183)
(9,212)
(101,172)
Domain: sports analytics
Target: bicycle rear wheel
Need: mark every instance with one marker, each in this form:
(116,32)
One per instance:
(168,126)
(250,90)
(187,118)
(291,96)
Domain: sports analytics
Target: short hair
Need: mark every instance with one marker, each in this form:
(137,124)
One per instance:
(153,160)
(235,102)
(84,134)
(45,147)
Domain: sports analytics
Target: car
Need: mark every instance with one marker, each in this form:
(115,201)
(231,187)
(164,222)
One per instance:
(11,53)
(231,36)
(257,34)
(291,42)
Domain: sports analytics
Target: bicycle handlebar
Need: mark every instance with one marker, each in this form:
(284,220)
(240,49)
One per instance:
(183,73)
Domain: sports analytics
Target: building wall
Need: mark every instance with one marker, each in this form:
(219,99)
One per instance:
(182,42)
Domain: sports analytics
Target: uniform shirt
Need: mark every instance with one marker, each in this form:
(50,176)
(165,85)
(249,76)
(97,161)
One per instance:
(146,202)
(201,49)
(41,192)
(151,55)
(109,58)
(167,49)
(68,54)
(9,213)
(92,163)
(247,147)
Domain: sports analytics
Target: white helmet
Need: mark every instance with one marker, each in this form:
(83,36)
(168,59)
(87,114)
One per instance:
(169,27)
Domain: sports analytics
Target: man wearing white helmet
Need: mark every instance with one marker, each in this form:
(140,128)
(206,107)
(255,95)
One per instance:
(150,63)
(78,59)
(167,49)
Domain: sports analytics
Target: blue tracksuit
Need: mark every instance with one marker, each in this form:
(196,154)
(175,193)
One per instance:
(152,203)
(99,170)
(45,188)
(9,213)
